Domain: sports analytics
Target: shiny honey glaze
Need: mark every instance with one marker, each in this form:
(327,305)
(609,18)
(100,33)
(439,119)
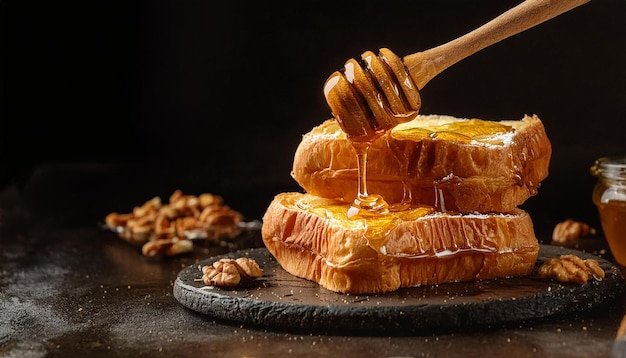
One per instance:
(376,227)
(464,131)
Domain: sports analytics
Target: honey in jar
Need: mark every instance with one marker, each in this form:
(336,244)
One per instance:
(609,195)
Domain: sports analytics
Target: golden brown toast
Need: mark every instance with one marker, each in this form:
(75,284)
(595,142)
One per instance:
(453,164)
(312,238)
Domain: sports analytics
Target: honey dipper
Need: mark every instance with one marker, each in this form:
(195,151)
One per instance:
(369,98)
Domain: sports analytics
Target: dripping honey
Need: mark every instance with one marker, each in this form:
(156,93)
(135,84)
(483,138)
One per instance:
(377,227)
(365,203)
(368,99)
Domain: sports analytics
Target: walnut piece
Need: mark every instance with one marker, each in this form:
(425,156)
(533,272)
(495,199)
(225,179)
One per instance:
(167,247)
(230,272)
(571,268)
(571,229)
(183,217)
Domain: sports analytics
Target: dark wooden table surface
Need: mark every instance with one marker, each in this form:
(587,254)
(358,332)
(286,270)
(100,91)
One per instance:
(70,288)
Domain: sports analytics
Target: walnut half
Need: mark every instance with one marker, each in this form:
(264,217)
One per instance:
(167,247)
(230,272)
(571,268)
(571,229)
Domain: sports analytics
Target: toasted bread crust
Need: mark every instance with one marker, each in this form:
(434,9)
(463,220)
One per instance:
(450,175)
(342,255)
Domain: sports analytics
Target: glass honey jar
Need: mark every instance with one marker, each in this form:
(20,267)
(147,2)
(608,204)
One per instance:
(609,195)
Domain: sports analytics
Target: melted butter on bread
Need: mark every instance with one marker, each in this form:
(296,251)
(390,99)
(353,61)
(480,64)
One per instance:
(433,127)
(473,131)
(376,229)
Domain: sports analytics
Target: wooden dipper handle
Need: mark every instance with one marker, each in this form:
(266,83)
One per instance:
(424,66)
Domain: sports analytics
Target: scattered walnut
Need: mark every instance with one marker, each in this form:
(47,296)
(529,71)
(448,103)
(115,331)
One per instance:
(571,268)
(117,220)
(183,217)
(230,272)
(167,247)
(570,230)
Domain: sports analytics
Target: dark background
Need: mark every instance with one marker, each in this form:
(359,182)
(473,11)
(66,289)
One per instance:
(210,96)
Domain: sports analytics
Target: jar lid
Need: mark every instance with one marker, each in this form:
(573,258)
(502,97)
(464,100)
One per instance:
(612,168)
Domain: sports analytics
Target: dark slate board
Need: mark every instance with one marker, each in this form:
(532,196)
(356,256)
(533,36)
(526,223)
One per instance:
(279,300)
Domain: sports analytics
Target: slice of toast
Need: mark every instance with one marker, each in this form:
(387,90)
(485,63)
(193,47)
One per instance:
(453,164)
(312,238)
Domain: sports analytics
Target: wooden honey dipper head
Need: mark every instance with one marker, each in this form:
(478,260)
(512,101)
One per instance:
(369,97)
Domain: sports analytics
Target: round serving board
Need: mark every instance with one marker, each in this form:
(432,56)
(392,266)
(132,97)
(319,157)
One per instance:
(279,300)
